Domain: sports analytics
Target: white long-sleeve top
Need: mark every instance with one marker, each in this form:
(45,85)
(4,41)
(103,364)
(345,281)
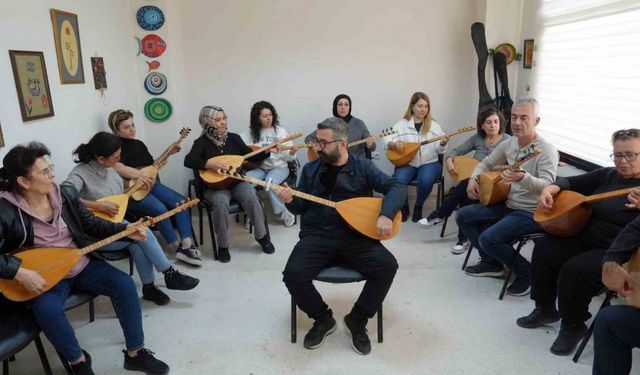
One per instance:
(406,132)
(268,136)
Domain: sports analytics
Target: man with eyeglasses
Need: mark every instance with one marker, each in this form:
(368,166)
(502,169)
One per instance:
(569,269)
(326,238)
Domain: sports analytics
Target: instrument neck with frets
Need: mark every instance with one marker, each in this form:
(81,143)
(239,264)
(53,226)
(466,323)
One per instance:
(360,213)
(493,188)
(313,155)
(54,263)
(410,149)
(161,161)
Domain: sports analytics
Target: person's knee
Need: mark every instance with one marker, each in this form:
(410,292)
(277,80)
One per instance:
(121,283)
(607,318)
(47,306)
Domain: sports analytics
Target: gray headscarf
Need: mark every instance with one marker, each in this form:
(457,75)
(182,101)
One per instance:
(207,113)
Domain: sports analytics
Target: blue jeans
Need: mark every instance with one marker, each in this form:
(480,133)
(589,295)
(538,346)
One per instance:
(160,200)
(277,175)
(493,229)
(617,331)
(427,175)
(97,278)
(146,255)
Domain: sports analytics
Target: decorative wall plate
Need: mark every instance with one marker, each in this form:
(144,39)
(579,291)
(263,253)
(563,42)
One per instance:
(158,109)
(150,17)
(508,50)
(151,45)
(155,83)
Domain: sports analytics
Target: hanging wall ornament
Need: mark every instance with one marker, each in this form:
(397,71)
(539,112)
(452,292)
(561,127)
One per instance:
(151,45)
(150,17)
(158,109)
(153,65)
(155,83)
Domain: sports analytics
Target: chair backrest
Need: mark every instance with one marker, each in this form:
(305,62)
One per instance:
(292,178)
(199,185)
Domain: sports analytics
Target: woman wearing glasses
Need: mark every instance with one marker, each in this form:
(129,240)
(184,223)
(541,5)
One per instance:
(569,269)
(216,140)
(264,129)
(134,156)
(416,126)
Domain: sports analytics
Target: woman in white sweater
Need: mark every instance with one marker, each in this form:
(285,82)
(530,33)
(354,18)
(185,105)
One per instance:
(263,130)
(416,126)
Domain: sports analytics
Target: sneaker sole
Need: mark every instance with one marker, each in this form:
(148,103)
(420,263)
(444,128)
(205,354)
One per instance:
(540,324)
(130,367)
(333,329)
(458,252)
(161,303)
(519,294)
(348,332)
(486,274)
(423,226)
(186,259)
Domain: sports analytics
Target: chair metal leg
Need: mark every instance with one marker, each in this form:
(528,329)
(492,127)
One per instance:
(294,321)
(130,266)
(587,336)
(200,224)
(92,316)
(444,226)
(380,328)
(65,364)
(466,259)
(5,367)
(212,233)
(513,261)
(43,356)
(193,234)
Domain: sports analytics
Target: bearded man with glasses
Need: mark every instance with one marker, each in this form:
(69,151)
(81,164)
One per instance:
(569,269)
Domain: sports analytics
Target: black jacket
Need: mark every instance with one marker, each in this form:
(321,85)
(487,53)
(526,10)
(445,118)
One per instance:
(16,229)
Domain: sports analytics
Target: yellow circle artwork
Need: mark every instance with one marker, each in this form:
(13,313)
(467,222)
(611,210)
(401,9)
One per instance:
(69,47)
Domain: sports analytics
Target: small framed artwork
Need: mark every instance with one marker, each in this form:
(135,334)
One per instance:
(67,38)
(1,137)
(32,84)
(527,61)
(99,74)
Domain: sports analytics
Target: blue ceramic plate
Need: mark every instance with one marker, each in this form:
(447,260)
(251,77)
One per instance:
(150,17)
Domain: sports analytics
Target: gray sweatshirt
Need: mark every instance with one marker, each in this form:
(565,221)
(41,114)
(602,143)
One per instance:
(475,143)
(540,171)
(93,181)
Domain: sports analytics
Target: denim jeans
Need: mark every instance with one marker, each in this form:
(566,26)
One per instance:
(617,331)
(427,175)
(493,229)
(277,175)
(146,255)
(97,278)
(160,200)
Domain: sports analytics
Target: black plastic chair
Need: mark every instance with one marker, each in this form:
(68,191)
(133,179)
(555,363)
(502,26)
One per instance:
(18,330)
(607,302)
(521,242)
(334,275)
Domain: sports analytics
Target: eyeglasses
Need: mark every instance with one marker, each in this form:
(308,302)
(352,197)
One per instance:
(628,156)
(323,144)
(48,171)
(634,133)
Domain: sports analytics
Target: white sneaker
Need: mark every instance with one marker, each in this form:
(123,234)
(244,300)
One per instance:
(288,218)
(461,247)
(425,223)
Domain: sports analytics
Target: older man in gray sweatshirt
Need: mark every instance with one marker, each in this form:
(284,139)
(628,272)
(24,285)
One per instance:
(492,229)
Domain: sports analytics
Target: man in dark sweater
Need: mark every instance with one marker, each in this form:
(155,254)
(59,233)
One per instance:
(569,269)
(216,141)
(326,238)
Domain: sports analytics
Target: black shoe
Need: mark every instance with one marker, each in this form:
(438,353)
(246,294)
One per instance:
(223,255)
(266,245)
(83,368)
(568,338)
(321,329)
(405,213)
(356,329)
(151,293)
(484,269)
(179,281)
(189,255)
(145,362)
(521,286)
(417,213)
(539,317)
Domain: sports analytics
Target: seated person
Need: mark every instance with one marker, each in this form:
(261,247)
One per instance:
(325,237)
(134,154)
(265,129)
(215,141)
(492,229)
(617,328)
(490,124)
(95,178)
(417,126)
(35,212)
(569,268)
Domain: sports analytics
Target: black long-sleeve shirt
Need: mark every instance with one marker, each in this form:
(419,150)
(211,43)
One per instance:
(608,216)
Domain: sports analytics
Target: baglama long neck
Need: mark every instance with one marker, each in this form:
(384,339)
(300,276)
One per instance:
(608,195)
(272,144)
(162,159)
(435,139)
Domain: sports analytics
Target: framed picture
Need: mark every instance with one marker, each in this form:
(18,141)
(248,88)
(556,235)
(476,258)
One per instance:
(67,38)
(32,84)
(99,75)
(527,61)
(1,138)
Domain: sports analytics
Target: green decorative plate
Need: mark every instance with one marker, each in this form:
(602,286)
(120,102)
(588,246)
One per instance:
(158,109)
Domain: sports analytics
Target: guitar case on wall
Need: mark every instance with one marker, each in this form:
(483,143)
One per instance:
(480,44)
(503,101)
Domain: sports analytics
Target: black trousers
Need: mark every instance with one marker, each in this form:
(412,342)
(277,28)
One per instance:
(569,269)
(313,253)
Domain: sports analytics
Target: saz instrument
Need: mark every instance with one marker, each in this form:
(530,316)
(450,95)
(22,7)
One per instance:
(360,213)
(313,155)
(633,267)
(213,177)
(54,263)
(410,149)
(493,188)
(152,170)
(287,148)
(465,166)
(571,212)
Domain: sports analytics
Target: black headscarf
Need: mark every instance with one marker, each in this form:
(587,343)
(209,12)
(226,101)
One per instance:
(346,118)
